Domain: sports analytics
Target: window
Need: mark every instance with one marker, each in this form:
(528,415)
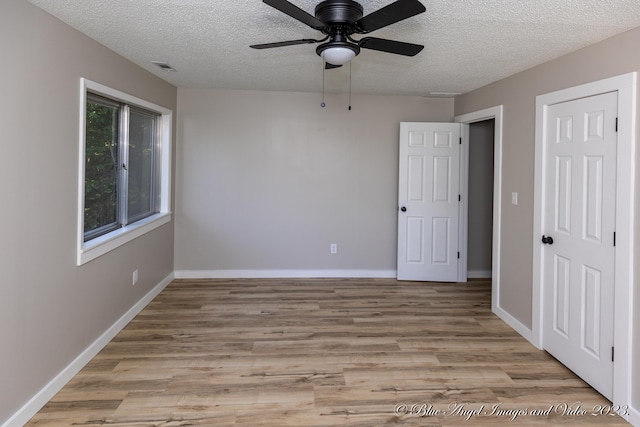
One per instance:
(125,148)
(120,170)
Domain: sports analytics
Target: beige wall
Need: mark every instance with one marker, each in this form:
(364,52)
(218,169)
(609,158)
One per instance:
(50,309)
(267,181)
(612,57)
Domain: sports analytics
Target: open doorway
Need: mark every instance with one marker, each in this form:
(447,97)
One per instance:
(480,199)
(411,253)
(495,114)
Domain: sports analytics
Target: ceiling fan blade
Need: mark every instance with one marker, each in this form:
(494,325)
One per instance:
(285,43)
(390,14)
(296,13)
(390,46)
(328,66)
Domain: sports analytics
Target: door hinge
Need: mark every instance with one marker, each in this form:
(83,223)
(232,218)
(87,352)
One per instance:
(616,124)
(458,255)
(459,198)
(612,353)
(614,238)
(460,139)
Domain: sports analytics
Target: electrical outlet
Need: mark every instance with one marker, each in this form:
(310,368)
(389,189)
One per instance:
(334,248)
(135,276)
(514,198)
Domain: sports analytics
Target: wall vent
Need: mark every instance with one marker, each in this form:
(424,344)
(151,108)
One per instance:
(166,67)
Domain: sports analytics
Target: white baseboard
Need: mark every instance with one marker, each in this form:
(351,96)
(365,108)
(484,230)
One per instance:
(634,417)
(515,324)
(281,274)
(479,274)
(24,414)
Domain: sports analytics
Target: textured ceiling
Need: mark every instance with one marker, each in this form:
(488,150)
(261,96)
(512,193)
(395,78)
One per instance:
(468,43)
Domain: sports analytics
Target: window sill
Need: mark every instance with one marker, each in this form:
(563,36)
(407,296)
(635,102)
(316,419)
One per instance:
(94,248)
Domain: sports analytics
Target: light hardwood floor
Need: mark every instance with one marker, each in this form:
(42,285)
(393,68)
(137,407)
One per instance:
(322,352)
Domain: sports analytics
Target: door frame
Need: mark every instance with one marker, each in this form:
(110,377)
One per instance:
(466,119)
(625,85)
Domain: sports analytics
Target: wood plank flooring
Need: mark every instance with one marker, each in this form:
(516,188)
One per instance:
(323,352)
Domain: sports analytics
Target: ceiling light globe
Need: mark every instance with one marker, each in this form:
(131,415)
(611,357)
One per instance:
(338,55)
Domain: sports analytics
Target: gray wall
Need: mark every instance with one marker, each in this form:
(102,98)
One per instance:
(267,181)
(612,57)
(480,223)
(50,309)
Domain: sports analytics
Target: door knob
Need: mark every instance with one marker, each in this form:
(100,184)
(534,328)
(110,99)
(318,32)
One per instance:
(403,209)
(547,240)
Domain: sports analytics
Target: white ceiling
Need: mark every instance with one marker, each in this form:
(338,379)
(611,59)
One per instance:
(468,43)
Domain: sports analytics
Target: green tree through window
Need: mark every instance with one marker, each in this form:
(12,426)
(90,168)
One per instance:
(120,185)
(101,166)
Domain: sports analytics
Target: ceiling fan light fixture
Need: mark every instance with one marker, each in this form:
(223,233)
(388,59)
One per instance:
(338,20)
(338,53)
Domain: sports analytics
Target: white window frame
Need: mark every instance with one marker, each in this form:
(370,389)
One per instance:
(100,245)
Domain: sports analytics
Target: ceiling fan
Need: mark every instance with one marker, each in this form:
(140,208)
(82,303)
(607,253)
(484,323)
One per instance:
(338,20)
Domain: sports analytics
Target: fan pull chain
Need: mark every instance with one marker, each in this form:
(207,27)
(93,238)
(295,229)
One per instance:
(322,104)
(349,85)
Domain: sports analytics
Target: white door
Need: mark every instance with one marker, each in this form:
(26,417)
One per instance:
(429,201)
(579,224)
